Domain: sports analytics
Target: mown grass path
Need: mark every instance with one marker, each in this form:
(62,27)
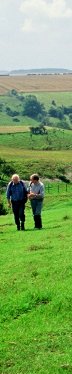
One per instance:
(36,292)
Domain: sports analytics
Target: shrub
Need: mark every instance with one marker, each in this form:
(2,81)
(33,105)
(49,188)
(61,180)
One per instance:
(1,107)
(16,119)
(3,210)
(11,113)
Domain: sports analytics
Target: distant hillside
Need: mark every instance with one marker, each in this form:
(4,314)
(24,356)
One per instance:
(40,71)
(4,73)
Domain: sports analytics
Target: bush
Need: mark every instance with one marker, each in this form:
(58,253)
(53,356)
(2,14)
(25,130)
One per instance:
(11,113)
(53,102)
(3,210)
(56,112)
(6,168)
(1,107)
(70,117)
(63,124)
(67,110)
(16,119)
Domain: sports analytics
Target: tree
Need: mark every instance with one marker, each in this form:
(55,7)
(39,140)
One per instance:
(67,110)
(1,107)
(38,130)
(14,92)
(46,121)
(70,117)
(56,112)
(53,102)
(32,107)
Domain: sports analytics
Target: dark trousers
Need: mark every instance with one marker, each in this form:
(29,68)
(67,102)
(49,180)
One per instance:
(36,209)
(38,221)
(19,214)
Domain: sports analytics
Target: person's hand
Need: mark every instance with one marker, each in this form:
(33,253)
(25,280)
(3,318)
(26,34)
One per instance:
(31,195)
(9,204)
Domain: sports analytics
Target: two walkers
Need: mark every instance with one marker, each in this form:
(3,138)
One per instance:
(17,195)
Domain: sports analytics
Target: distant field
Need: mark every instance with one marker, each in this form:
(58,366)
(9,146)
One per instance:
(13,129)
(53,140)
(24,154)
(6,120)
(13,102)
(36,83)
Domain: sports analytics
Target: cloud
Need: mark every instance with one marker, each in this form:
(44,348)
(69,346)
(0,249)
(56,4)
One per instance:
(27,27)
(38,12)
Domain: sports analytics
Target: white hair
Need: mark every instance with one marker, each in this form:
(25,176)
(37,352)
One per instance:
(15,176)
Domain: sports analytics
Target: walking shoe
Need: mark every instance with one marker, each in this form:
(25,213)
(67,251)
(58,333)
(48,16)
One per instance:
(22,226)
(18,228)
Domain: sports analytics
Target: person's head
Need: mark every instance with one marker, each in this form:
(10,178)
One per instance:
(15,178)
(34,178)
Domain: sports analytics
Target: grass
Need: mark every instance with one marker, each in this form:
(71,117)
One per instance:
(36,266)
(52,164)
(54,140)
(36,291)
(33,155)
(49,164)
(6,120)
(61,98)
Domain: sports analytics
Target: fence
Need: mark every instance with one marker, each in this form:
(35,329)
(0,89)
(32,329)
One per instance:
(50,187)
(58,188)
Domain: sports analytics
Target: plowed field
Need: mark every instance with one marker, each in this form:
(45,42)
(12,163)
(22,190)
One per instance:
(50,83)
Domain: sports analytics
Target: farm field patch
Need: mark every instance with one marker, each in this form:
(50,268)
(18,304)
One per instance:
(11,153)
(54,139)
(36,83)
(13,129)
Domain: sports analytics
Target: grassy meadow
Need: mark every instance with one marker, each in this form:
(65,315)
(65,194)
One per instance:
(36,291)
(36,265)
(60,98)
(54,140)
(49,164)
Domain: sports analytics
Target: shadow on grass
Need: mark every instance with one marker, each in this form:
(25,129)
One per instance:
(7,224)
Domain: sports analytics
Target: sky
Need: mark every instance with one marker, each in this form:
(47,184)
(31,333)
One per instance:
(35,34)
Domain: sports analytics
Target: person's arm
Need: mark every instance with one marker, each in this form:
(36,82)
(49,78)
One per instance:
(9,203)
(40,194)
(8,193)
(25,191)
(30,193)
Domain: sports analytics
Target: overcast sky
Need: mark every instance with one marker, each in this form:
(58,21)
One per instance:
(35,34)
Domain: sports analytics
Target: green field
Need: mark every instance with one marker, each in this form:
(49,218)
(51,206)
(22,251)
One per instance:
(6,120)
(60,98)
(49,164)
(54,140)
(36,291)
(36,265)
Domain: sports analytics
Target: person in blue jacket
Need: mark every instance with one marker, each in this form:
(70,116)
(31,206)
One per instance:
(17,197)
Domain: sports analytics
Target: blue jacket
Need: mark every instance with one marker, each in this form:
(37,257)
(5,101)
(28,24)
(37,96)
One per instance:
(17,192)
